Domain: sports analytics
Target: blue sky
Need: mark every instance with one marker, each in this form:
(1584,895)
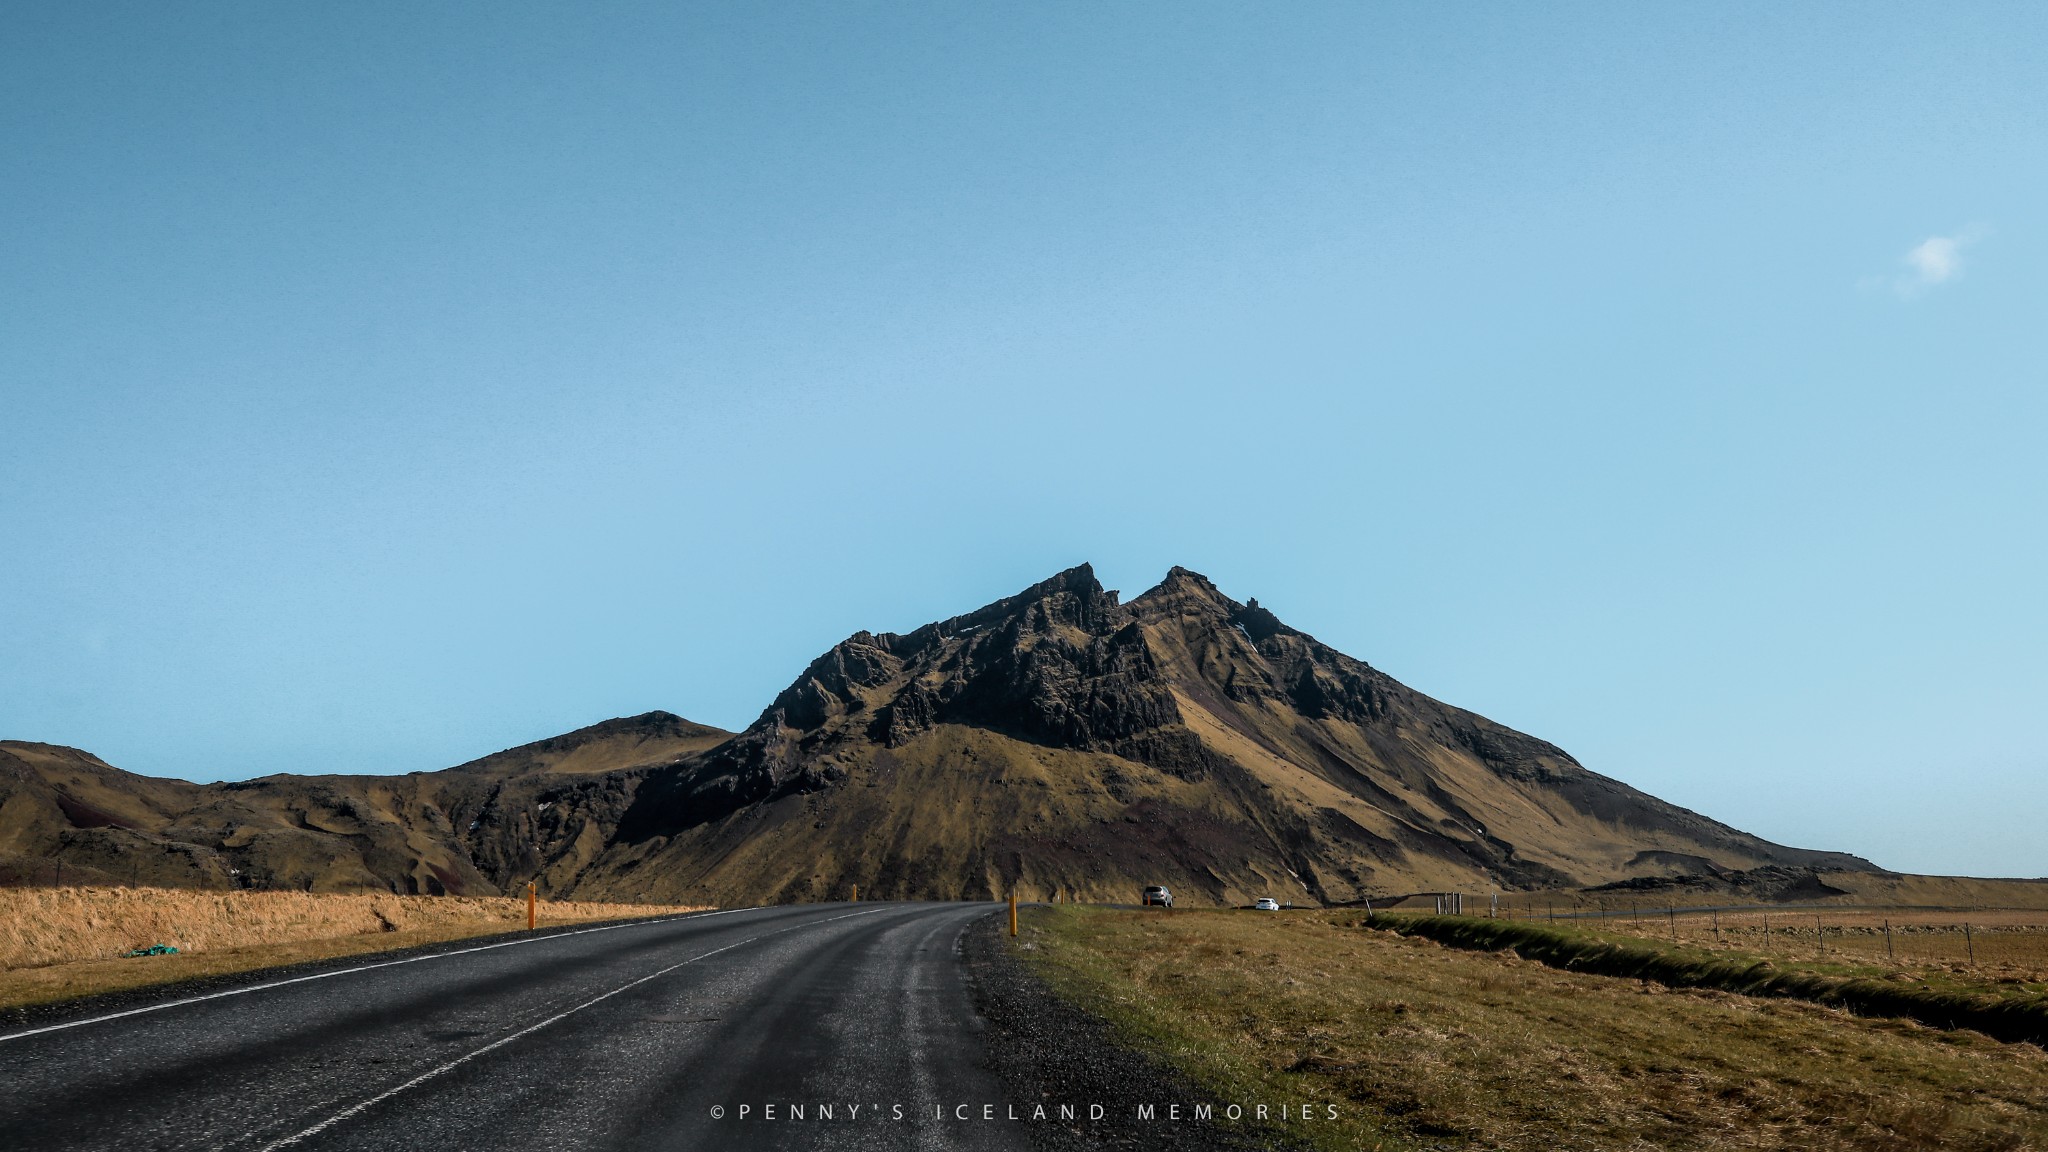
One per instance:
(385,385)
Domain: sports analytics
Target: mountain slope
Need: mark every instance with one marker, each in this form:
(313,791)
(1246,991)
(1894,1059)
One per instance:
(1058,741)
(1067,743)
(468,829)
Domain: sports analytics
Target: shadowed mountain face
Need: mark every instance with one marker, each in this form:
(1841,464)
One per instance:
(468,830)
(1058,741)
(1072,745)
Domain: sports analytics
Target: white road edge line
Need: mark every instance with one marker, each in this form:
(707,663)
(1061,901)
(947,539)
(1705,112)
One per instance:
(422,1078)
(357,968)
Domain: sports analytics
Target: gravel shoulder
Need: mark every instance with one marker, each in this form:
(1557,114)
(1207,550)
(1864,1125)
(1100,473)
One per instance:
(1046,1049)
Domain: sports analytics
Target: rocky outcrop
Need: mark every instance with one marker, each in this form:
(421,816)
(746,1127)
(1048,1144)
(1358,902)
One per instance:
(1060,741)
(1264,758)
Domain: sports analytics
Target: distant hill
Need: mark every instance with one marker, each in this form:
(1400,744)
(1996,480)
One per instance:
(432,832)
(1057,740)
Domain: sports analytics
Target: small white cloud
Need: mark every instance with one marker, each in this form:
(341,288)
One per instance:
(1936,260)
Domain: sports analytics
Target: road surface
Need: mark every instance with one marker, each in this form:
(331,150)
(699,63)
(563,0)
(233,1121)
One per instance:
(844,1026)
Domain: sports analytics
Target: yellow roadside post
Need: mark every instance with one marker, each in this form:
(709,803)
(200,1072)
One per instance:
(532,908)
(856,895)
(1013,911)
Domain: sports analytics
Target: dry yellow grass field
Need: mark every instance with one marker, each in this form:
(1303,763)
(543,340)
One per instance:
(1991,945)
(1831,889)
(56,943)
(1418,1044)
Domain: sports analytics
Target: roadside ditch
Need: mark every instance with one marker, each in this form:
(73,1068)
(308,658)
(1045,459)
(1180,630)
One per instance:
(2003,1018)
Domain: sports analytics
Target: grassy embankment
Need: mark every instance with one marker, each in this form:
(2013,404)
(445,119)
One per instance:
(60,943)
(1421,1045)
(1953,997)
(1999,945)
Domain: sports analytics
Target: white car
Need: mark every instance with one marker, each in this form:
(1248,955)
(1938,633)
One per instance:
(1267,904)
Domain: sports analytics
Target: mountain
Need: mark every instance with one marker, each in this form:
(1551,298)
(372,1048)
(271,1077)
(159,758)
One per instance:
(416,833)
(1058,741)
(1069,744)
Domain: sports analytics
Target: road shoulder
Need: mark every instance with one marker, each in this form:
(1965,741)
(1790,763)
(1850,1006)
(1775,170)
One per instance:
(1045,1049)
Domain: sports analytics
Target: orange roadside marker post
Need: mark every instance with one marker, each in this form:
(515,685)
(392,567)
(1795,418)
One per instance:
(1013,911)
(532,911)
(856,895)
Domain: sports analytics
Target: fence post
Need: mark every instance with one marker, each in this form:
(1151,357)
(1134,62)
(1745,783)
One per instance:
(1671,912)
(1717,925)
(1970,943)
(1889,958)
(1820,935)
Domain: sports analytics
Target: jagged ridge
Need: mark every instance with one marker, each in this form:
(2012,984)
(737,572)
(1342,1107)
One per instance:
(1057,739)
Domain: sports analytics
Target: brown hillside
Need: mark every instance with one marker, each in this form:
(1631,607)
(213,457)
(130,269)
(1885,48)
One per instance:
(467,830)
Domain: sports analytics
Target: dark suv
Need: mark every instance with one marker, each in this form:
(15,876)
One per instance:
(1157,896)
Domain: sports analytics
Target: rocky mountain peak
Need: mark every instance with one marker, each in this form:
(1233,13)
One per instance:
(1277,754)
(1074,598)
(1056,739)
(1259,623)
(1038,664)
(871,671)
(1062,663)
(1183,590)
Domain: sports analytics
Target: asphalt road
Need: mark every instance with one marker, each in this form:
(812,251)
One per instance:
(629,1037)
